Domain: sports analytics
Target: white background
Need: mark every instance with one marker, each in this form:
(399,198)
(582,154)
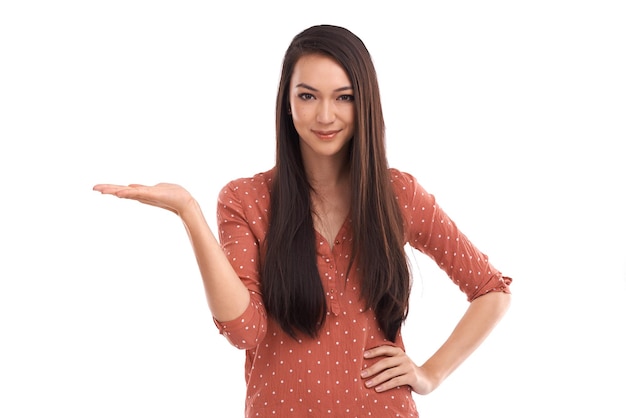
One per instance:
(511,113)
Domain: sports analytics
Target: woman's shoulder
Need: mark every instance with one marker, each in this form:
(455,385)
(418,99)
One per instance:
(246,200)
(406,185)
(401,178)
(253,185)
(254,180)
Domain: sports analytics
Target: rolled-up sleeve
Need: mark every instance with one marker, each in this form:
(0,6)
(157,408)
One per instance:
(236,218)
(431,231)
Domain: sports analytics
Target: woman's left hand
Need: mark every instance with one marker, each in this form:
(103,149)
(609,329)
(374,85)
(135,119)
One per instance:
(395,369)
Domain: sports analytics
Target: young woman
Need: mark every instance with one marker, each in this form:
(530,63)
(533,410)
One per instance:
(310,276)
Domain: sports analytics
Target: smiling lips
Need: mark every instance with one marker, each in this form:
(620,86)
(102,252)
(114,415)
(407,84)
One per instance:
(326,134)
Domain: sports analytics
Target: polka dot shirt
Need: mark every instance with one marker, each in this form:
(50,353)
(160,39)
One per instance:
(321,376)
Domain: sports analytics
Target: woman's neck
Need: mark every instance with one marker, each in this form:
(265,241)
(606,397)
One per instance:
(327,175)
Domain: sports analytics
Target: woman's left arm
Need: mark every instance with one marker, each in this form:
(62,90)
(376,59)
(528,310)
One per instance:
(397,369)
(431,231)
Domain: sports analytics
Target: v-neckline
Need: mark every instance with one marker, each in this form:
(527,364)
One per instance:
(335,239)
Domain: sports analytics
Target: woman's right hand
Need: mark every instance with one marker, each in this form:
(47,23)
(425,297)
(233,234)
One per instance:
(168,196)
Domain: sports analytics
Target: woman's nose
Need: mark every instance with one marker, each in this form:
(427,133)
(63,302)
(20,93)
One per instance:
(325,112)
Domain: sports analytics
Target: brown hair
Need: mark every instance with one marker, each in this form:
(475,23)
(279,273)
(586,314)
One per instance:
(291,285)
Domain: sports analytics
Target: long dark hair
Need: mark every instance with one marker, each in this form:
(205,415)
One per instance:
(291,285)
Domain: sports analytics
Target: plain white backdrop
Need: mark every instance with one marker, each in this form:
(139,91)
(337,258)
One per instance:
(512,113)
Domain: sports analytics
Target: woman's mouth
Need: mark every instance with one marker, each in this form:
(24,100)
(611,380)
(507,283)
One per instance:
(326,134)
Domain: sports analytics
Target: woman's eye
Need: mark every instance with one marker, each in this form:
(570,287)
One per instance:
(306,96)
(346,98)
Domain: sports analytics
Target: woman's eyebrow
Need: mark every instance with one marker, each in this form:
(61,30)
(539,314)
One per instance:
(306,86)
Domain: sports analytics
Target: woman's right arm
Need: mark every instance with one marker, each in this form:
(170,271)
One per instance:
(227,296)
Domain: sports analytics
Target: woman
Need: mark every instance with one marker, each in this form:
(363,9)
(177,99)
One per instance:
(310,276)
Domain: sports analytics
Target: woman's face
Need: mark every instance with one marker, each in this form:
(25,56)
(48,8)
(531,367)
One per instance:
(322,106)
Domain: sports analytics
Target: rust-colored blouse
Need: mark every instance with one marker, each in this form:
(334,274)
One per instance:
(321,377)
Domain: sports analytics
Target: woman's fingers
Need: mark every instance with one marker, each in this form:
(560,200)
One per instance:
(164,195)
(394,369)
(107,188)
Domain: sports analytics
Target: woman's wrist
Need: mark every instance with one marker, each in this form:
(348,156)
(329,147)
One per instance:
(190,212)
